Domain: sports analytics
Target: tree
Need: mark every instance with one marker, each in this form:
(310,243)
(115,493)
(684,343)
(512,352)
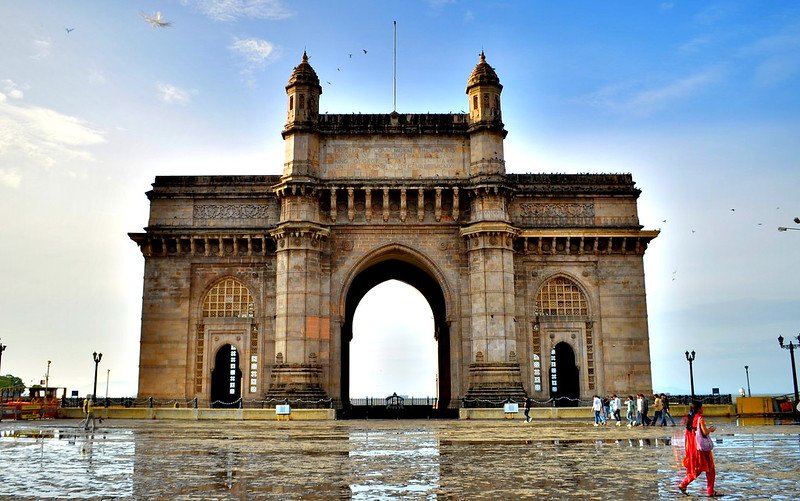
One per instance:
(11,381)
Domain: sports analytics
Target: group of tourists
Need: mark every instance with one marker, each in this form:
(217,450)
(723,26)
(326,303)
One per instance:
(637,409)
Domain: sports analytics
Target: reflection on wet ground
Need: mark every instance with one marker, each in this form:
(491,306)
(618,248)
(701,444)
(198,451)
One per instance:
(382,460)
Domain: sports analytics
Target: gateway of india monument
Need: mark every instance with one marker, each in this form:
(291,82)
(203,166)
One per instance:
(536,281)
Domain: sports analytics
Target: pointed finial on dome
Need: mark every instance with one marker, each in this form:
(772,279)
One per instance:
(483,74)
(305,56)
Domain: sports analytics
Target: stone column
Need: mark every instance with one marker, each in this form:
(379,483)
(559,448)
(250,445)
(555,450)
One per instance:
(494,369)
(300,327)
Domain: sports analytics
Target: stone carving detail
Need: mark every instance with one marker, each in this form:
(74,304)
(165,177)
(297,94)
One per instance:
(230,211)
(536,210)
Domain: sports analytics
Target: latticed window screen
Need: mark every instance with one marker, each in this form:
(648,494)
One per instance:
(560,296)
(228,298)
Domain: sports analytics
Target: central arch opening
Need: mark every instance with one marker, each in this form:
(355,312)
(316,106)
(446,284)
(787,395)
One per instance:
(393,348)
(360,354)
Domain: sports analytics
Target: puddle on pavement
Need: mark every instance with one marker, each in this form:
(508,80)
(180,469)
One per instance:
(323,460)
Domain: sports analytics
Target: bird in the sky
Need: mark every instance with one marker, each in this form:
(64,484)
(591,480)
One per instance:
(733,210)
(69,30)
(365,50)
(337,69)
(156,21)
(351,56)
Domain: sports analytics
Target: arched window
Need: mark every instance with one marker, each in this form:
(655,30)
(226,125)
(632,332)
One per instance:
(561,296)
(229,298)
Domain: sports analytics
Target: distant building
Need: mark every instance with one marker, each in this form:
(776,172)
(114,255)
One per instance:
(536,281)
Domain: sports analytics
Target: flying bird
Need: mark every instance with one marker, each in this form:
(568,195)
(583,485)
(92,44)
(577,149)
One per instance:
(69,30)
(156,21)
(351,56)
(365,50)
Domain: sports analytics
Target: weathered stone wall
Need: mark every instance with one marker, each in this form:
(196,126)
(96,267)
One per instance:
(394,157)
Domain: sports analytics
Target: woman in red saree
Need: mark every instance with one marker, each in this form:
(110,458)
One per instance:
(697,461)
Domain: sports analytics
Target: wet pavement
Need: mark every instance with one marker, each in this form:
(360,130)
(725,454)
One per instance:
(384,460)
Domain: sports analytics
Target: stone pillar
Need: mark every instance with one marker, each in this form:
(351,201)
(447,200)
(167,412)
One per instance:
(301,330)
(494,369)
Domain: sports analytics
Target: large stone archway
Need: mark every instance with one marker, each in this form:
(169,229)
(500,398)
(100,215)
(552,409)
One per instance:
(422,198)
(393,267)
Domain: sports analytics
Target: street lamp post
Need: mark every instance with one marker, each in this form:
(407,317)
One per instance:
(690,358)
(108,375)
(2,349)
(784,228)
(791,348)
(747,373)
(96,357)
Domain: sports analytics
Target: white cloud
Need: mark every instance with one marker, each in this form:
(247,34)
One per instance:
(12,90)
(630,98)
(44,135)
(233,10)
(254,54)
(254,51)
(10,178)
(170,94)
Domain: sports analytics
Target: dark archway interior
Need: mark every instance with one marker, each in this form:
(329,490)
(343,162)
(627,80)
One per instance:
(567,380)
(221,395)
(396,269)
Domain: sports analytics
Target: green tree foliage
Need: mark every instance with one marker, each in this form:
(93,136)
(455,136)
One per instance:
(11,381)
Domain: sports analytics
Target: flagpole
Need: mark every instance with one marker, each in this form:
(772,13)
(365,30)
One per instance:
(394,71)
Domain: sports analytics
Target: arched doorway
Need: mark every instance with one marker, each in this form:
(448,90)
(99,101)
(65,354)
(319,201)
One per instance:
(393,349)
(564,382)
(403,271)
(226,378)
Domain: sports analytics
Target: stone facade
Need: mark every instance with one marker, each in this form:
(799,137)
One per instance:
(525,274)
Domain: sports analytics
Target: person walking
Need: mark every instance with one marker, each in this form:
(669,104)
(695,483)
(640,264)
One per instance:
(528,405)
(88,410)
(665,413)
(696,461)
(616,406)
(597,407)
(658,407)
(630,404)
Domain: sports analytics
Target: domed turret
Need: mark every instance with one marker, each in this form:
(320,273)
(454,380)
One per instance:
(303,90)
(483,74)
(483,89)
(304,74)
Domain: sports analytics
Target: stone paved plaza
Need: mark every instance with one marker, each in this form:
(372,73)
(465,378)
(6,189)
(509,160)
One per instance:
(383,460)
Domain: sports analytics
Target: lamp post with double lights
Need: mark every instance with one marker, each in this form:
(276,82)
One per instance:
(784,228)
(96,357)
(2,349)
(791,346)
(747,373)
(690,358)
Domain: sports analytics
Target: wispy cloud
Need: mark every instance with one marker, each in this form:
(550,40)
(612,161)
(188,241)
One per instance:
(777,57)
(170,94)
(12,90)
(253,54)
(10,178)
(233,10)
(41,49)
(42,135)
(631,98)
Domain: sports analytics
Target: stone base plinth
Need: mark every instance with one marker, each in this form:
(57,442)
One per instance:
(299,383)
(493,383)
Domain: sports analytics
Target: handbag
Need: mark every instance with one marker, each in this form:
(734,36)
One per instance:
(704,442)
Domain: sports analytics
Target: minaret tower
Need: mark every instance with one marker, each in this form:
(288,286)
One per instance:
(300,131)
(485,120)
(300,311)
(494,368)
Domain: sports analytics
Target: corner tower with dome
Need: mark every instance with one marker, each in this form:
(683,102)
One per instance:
(535,281)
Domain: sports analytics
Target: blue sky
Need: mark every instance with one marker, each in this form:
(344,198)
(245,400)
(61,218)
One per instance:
(700,101)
